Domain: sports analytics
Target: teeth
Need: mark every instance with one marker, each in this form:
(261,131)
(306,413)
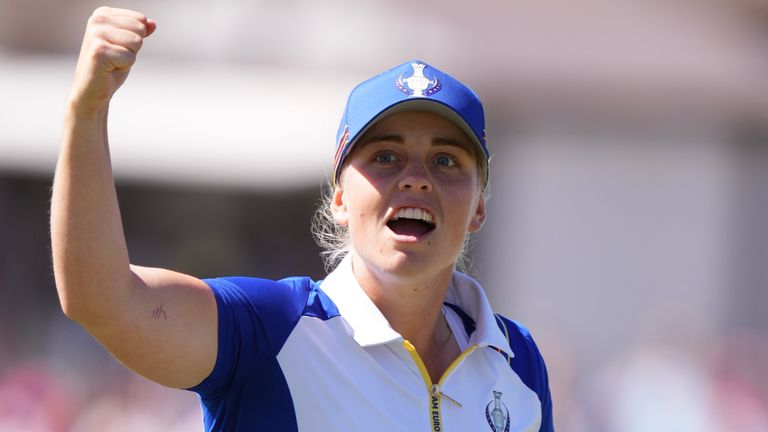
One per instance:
(413,213)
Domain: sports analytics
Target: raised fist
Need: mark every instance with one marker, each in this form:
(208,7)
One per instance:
(112,39)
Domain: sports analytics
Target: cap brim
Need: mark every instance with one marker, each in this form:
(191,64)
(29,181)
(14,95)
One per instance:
(430,105)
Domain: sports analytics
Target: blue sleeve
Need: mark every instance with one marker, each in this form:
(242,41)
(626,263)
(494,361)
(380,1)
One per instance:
(255,317)
(529,365)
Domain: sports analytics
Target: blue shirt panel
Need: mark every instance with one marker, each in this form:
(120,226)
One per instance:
(528,364)
(247,389)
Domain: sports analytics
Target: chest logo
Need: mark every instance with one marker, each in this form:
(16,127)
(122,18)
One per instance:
(420,83)
(497,414)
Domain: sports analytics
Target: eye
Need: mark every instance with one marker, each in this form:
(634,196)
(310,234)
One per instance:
(445,160)
(385,157)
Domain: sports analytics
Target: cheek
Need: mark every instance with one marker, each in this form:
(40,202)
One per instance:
(362,213)
(466,204)
(363,197)
(361,208)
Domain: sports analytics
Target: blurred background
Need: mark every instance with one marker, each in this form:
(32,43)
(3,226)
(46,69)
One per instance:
(628,224)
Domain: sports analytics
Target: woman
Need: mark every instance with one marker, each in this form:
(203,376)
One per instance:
(393,339)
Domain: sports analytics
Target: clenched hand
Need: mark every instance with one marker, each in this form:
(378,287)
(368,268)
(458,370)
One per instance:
(112,40)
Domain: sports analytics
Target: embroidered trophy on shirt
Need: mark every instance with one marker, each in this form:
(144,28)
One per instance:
(498,417)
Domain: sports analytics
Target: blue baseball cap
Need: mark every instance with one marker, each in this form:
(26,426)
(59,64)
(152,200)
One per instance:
(411,86)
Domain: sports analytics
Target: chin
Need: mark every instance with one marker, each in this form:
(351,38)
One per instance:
(410,263)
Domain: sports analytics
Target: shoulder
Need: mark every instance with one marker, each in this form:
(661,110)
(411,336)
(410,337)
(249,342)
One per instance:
(525,352)
(265,294)
(272,306)
(526,360)
(518,335)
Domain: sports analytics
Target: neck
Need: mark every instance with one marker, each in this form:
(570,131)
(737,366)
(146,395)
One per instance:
(411,304)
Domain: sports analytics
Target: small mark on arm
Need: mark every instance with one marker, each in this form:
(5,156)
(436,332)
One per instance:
(159,313)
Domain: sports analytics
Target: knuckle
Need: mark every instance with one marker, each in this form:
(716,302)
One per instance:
(99,14)
(97,18)
(141,28)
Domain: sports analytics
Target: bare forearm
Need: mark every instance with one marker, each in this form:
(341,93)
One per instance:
(90,257)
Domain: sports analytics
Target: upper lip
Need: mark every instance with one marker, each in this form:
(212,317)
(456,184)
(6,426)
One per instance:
(392,214)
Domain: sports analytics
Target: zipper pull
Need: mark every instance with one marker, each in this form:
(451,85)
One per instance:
(437,393)
(450,399)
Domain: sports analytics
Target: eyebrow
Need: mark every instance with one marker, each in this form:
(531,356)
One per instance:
(467,147)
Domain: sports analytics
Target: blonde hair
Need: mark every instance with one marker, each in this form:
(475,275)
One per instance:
(332,238)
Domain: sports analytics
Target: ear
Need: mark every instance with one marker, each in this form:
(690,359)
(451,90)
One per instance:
(339,207)
(478,218)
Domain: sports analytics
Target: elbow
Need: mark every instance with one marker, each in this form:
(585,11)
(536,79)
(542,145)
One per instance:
(72,309)
(93,298)
(92,305)
(79,308)
(85,297)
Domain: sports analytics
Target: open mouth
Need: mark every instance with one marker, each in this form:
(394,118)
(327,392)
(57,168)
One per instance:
(410,221)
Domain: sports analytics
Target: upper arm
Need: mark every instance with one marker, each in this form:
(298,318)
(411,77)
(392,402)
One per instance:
(165,329)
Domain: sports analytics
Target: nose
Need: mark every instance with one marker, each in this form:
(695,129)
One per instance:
(415,178)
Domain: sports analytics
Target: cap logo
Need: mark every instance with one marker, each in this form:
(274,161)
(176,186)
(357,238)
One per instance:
(418,84)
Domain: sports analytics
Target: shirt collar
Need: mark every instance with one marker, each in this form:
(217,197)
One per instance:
(468,295)
(369,327)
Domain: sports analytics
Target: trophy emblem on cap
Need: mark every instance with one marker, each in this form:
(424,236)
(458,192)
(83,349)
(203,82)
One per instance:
(418,84)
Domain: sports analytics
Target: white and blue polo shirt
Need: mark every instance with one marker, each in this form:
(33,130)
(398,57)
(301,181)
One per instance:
(298,355)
